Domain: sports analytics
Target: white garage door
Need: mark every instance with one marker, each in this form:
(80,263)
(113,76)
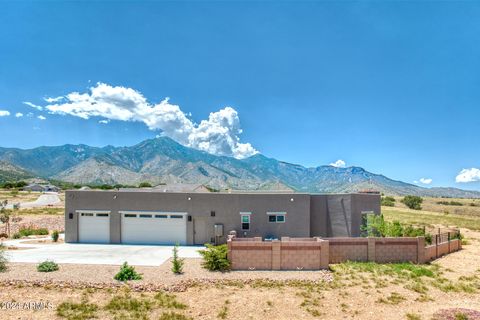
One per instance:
(154,227)
(94,226)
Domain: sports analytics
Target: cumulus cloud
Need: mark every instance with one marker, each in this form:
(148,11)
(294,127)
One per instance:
(468,175)
(426,180)
(219,134)
(32,105)
(105,121)
(338,164)
(41,117)
(18,115)
(4,113)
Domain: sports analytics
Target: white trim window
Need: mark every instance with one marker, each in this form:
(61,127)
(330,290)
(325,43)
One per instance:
(277,217)
(245,220)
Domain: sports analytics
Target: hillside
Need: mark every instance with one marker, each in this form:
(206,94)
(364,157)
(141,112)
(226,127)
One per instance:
(164,160)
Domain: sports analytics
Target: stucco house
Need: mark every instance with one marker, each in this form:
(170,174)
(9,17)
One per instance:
(157,217)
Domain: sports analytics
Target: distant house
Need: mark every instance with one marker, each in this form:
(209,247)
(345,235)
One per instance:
(41,188)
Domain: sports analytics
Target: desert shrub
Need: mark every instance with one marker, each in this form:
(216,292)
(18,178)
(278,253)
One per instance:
(31,231)
(16,235)
(388,201)
(3,259)
(413,202)
(55,236)
(215,257)
(3,235)
(166,300)
(47,266)
(77,311)
(177,263)
(450,203)
(127,273)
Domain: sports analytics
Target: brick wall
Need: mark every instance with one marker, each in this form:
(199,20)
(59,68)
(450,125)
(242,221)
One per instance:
(316,253)
(287,254)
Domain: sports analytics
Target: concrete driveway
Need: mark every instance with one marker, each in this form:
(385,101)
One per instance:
(110,254)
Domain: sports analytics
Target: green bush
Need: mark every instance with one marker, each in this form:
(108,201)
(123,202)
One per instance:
(215,257)
(16,235)
(55,236)
(177,263)
(47,266)
(3,259)
(413,202)
(388,201)
(376,226)
(30,231)
(127,273)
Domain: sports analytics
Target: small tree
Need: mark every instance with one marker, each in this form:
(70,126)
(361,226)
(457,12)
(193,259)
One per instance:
(177,263)
(413,202)
(145,185)
(5,216)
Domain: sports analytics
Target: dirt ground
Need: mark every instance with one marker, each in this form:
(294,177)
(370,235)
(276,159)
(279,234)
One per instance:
(335,294)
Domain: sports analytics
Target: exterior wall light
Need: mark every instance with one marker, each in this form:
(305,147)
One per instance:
(291,200)
(115,197)
(189,198)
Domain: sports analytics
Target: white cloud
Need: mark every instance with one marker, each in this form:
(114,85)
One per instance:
(219,134)
(425,180)
(41,117)
(339,164)
(28,103)
(468,175)
(51,100)
(30,114)
(104,121)
(18,115)
(4,113)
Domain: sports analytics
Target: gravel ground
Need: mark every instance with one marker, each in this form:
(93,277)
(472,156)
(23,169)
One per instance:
(41,221)
(76,275)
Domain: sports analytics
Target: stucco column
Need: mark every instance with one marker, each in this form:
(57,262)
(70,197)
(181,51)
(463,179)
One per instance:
(276,255)
(371,249)
(421,250)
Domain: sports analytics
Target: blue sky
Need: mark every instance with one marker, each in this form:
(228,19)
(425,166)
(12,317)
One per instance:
(389,86)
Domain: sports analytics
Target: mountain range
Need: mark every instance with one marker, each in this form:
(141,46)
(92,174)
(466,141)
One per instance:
(162,160)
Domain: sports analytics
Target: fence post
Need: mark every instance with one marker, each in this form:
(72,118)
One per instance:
(436,246)
(449,242)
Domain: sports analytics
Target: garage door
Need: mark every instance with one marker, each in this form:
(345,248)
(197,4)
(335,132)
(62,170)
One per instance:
(154,227)
(94,226)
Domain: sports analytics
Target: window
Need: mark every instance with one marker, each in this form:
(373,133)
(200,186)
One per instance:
(102,214)
(245,219)
(145,216)
(130,215)
(161,216)
(87,214)
(276,217)
(176,216)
